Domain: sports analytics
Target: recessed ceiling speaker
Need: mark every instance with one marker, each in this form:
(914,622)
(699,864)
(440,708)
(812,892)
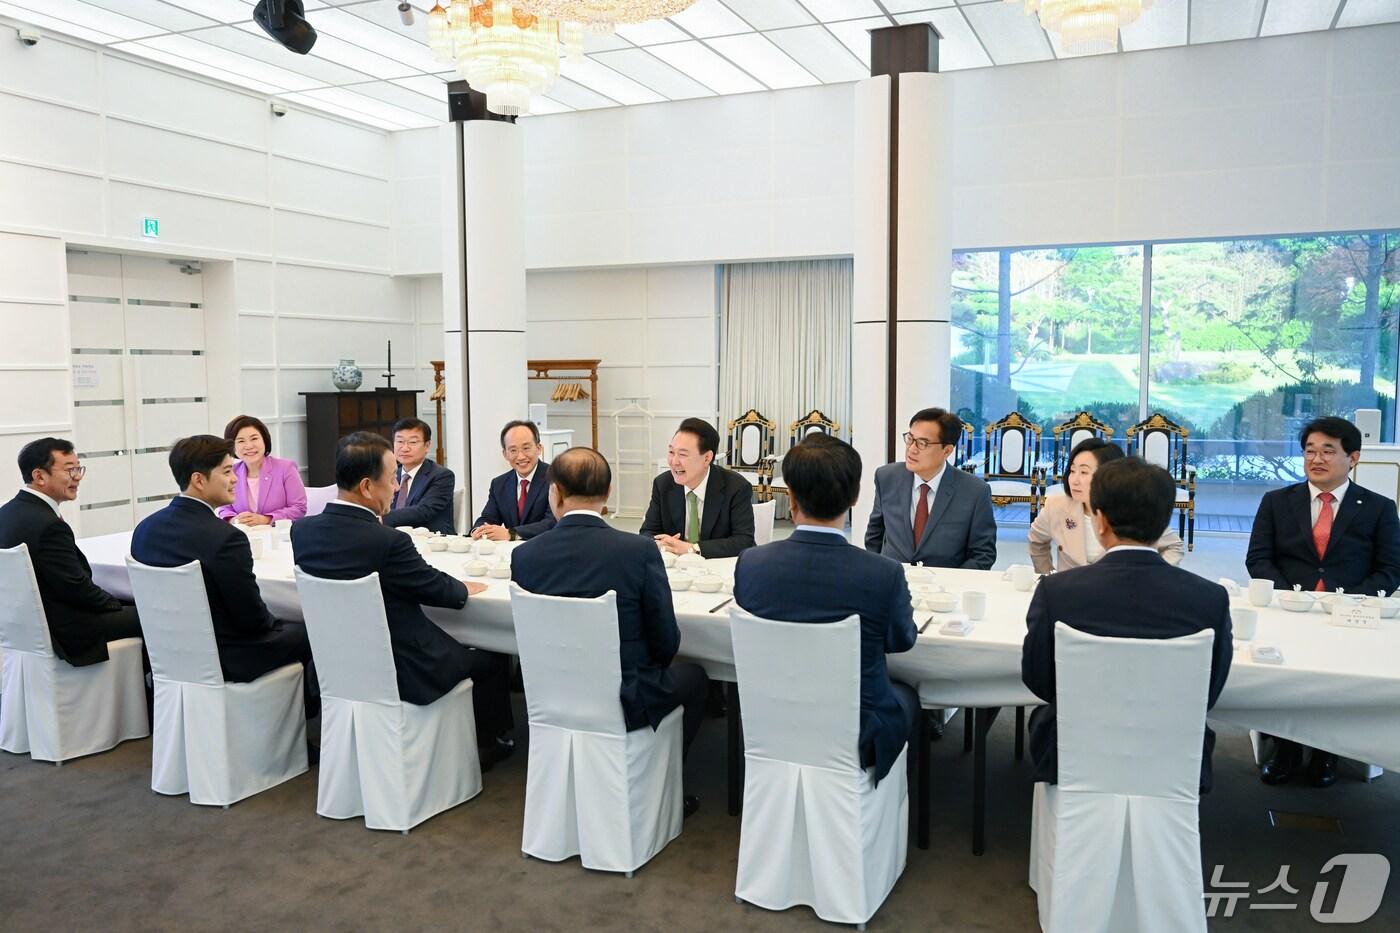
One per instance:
(285,21)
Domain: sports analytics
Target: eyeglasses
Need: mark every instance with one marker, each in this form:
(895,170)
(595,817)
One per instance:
(1321,454)
(77,472)
(922,443)
(523,449)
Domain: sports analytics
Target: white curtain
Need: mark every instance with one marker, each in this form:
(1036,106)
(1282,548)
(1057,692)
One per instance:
(786,342)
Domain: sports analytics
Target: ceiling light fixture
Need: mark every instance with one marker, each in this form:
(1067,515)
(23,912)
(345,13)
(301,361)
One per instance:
(1086,27)
(603,16)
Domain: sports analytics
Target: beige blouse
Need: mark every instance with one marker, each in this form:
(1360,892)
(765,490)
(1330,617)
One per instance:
(1062,522)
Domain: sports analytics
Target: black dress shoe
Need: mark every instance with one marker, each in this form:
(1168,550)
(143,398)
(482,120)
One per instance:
(505,747)
(1280,768)
(690,805)
(1322,770)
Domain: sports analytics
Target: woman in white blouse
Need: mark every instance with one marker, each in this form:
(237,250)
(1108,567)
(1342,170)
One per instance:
(1066,522)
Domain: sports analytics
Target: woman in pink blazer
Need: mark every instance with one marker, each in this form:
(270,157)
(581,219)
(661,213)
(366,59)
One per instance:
(1065,522)
(268,488)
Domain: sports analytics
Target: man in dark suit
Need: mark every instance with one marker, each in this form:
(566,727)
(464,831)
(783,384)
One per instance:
(250,642)
(517,507)
(1130,592)
(347,541)
(424,496)
(82,616)
(697,505)
(584,558)
(926,510)
(1324,534)
(816,575)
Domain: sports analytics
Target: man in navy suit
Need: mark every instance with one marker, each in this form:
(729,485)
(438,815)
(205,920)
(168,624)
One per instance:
(347,541)
(697,505)
(424,497)
(1130,592)
(1324,534)
(250,642)
(816,575)
(584,558)
(518,505)
(926,510)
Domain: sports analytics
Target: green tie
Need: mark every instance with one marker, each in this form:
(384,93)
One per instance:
(692,522)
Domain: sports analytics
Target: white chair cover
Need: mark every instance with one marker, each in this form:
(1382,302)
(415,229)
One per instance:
(459,517)
(51,709)
(816,830)
(317,497)
(395,763)
(1115,845)
(594,790)
(218,742)
(763,514)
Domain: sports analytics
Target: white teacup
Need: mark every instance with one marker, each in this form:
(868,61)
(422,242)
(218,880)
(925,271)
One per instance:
(668,558)
(437,544)
(257,545)
(1261,592)
(709,583)
(499,571)
(422,532)
(485,546)
(974,604)
(476,568)
(679,581)
(1244,622)
(458,545)
(1022,576)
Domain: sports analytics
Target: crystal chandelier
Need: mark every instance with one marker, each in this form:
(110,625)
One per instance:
(1086,27)
(603,16)
(501,50)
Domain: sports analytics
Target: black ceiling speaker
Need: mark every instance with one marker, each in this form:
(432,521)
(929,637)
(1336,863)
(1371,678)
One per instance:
(285,21)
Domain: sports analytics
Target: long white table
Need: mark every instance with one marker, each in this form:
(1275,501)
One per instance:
(1338,688)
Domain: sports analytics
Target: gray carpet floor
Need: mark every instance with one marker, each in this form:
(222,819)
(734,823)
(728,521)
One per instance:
(89,846)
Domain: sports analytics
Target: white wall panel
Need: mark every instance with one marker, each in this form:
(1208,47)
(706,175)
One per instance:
(259,392)
(188,220)
(45,395)
(152,477)
(28,335)
(320,239)
(108,479)
(156,328)
(168,377)
(94,275)
(307,187)
(100,427)
(255,340)
(305,342)
(681,340)
(167,158)
(54,69)
(31,268)
(149,278)
(331,292)
(96,325)
(50,200)
(161,425)
(253,287)
(681,291)
(108,374)
(305,135)
(53,135)
(151,95)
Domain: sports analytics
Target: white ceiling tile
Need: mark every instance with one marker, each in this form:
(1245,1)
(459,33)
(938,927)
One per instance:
(710,18)
(911,6)
(1370,12)
(648,70)
(376,39)
(335,49)
(764,60)
(959,48)
(543,105)
(368,106)
(706,66)
(349,113)
(198,67)
(855,34)
(1011,37)
(831,10)
(1161,27)
(770,14)
(576,96)
(390,93)
(1288,16)
(57,26)
(221,11)
(435,88)
(821,53)
(156,12)
(1225,20)
(252,42)
(653,32)
(191,48)
(91,17)
(598,42)
(609,83)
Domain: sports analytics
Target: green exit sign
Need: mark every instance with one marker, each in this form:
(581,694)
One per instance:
(150,226)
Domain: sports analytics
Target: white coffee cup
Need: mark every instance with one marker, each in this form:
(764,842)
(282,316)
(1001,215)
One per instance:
(485,546)
(1261,592)
(257,545)
(974,604)
(1245,623)
(1022,576)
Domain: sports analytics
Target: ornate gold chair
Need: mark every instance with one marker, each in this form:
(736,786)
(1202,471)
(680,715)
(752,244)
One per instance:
(1066,436)
(964,451)
(812,422)
(1162,441)
(1009,461)
(750,446)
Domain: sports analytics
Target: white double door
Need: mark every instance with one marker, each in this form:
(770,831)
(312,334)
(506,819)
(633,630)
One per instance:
(140,380)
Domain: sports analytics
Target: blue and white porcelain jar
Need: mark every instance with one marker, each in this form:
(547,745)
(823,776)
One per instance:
(347,376)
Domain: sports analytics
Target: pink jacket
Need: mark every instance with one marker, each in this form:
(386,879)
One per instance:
(280,491)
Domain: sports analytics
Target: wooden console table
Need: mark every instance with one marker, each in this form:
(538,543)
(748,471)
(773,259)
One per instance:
(332,415)
(562,370)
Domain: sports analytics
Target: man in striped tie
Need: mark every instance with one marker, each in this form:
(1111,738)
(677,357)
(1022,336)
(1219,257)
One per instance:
(1324,534)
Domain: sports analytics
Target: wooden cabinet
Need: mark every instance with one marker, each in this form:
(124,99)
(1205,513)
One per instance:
(332,415)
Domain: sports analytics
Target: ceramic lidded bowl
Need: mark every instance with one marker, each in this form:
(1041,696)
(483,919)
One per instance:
(1295,601)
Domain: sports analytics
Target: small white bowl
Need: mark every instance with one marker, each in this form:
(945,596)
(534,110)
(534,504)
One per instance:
(942,602)
(459,545)
(437,544)
(708,584)
(499,571)
(690,560)
(728,587)
(679,582)
(1388,605)
(1295,601)
(422,532)
(476,568)
(485,546)
(921,575)
(668,558)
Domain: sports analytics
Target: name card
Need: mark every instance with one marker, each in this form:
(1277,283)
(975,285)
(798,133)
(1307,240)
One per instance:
(1354,614)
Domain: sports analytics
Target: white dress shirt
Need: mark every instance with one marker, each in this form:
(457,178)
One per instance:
(699,491)
(1093,547)
(1131,547)
(406,482)
(52,503)
(1338,495)
(932,492)
(583,512)
(355,505)
(825,529)
(526,479)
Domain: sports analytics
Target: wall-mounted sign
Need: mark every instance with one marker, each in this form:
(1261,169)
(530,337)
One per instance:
(85,376)
(150,226)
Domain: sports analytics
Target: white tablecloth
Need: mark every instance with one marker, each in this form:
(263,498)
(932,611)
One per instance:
(1338,688)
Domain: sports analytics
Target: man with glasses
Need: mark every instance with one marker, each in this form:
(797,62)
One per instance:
(424,499)
(927,511)
(517,507)
(82,616)
(1323,535)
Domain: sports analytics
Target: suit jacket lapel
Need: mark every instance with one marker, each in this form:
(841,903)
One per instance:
(415,489)
(1300,504)
(942,500)
(1071,540)
(538,485)
(903,517)
(709,513)
(1345,509)
(677,500)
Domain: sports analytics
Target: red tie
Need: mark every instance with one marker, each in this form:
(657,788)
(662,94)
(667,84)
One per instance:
(520,506)
(921,514)
(1322,529)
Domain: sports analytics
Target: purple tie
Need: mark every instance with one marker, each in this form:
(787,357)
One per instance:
(401,499)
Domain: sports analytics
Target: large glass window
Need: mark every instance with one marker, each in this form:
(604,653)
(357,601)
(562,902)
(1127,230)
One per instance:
(1249,339)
